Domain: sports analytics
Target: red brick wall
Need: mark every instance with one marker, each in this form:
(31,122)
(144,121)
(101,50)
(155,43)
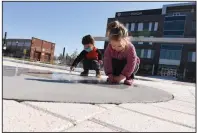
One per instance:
(46,48)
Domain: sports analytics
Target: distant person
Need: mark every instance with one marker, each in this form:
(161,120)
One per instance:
(120,58)
(91,56)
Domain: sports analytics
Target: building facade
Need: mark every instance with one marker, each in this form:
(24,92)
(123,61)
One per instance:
(34,49)
(16,47)
(42,50)
(177,20)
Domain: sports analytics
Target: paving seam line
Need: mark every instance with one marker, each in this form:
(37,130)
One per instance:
(102,123)
(172,110)
(72,121)
(152,116)
(89,117)
(50,113)
(191,93)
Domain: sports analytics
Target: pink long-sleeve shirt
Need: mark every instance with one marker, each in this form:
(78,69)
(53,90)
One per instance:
(129,54)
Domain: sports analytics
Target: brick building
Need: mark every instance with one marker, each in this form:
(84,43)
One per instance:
(42,50)
(176,20)
(35,49)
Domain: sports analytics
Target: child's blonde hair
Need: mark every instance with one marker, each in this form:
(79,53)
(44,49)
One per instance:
(116,31)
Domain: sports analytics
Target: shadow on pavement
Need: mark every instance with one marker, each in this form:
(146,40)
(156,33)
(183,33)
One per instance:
(102,83)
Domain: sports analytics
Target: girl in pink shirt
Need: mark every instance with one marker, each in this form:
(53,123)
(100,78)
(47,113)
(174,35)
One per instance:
(120,59)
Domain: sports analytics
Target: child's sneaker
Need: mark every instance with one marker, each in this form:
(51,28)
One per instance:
(98,74)
(128,82)
(84,73)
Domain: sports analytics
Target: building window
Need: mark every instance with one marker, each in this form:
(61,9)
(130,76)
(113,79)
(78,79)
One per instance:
(127,26)
(20,43)
(27,44)
(9,43)
(173,33)
(170,54)
(145,53)
(138,52)
(14,43)
(191,56)
(136,27)
(146,26)
(173,18)
(132,26)
(150,26)
(156,26)
(174,25)
(140,26)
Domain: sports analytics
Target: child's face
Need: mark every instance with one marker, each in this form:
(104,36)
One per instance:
(118,45)
(88,45)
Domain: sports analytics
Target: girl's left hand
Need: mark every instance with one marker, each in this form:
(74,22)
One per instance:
(119,78)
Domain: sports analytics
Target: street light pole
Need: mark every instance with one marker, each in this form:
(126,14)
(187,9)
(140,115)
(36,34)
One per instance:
(4,41)
(16,48)
(63,52)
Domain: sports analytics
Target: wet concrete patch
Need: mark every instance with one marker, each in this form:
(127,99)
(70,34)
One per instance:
(58,87)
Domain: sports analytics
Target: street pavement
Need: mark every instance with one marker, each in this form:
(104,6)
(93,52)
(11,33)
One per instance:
(176,115)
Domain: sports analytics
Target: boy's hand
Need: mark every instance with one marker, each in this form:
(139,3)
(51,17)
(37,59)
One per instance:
(100,62)
(72,68)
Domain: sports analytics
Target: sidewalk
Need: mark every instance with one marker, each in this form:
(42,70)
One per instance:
(177,115)
(45,65)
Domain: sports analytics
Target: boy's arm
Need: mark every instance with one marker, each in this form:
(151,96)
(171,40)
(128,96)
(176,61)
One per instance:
(99,54)
(79,58)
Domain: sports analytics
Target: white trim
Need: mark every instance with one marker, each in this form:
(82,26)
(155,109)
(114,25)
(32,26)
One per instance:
(150,26)
(169,62)
(151,42)
(156,26)
(140,37)
(149,53)
(193,56)
(140,26)
(132,26)
(127,26)
(142,53)
(156,40)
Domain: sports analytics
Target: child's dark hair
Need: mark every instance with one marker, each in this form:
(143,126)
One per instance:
(116,30)
(88,39)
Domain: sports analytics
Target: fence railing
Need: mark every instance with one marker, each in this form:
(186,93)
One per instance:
(156,40)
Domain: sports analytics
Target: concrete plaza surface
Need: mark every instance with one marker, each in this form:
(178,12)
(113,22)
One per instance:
(173,115)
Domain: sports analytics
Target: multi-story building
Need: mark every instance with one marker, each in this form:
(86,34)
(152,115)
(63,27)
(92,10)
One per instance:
(177,20)
(34,49)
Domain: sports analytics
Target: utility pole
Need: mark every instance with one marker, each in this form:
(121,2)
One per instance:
(63,52)
(4,41)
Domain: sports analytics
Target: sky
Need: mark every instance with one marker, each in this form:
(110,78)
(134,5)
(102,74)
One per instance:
(64,23)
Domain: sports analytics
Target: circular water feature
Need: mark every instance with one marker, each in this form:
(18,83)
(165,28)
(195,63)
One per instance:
(37,85)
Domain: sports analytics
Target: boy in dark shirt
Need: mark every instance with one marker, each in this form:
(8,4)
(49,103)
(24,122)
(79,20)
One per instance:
(91,56)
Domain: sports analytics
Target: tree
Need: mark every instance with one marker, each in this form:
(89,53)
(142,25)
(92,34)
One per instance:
(55,57)
(74,54)
(60,57)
